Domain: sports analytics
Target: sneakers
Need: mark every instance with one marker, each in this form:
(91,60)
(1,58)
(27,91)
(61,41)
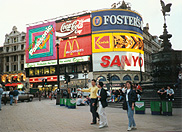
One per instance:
(102,126)
(129,129)
(133,127)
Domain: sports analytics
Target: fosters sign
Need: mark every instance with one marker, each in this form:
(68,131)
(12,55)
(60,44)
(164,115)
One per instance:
(75,47)
(40,42)
(116,20)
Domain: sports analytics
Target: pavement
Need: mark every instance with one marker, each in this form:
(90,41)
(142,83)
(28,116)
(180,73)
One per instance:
(45,116)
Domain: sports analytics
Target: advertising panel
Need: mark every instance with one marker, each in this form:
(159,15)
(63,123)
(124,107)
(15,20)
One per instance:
(107,42)
(75,47)
(61,61)
(114,61)
(116,20)
(39,79)
(78,26)
(40,42)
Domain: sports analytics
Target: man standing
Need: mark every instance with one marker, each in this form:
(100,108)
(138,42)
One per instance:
(93,105)
(1,92)
(102,96)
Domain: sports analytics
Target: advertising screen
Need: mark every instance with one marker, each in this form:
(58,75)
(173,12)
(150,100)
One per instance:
(76,27)
(114,61)
(40,42)
(117,20)
(107,42)
(75,47)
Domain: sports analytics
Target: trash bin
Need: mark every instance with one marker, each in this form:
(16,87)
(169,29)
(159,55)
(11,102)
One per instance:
(72,103)
(167,108)
(62,102)
(155,107)
(139,107)
(66,102)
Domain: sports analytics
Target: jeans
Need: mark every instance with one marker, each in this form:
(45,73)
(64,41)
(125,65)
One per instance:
(130,113)
(113,97)
(0,100)
(119,98)
(11,99)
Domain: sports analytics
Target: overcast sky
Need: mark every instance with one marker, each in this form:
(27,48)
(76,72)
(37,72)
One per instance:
(21,12)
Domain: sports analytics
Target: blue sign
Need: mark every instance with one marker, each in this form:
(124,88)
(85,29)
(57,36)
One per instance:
(117,20)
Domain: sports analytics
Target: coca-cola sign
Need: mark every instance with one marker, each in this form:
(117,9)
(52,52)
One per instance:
(76,27)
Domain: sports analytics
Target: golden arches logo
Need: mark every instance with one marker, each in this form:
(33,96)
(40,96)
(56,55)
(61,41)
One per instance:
(71,47)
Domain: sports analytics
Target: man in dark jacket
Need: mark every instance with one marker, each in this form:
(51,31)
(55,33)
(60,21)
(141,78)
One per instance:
(102,96)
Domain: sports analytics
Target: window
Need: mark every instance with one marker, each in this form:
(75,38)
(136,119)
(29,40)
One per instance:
(41,71)
(8,40)
(79,68)
(37,71)
(31,72)
(46,70)
(136,78)
(22,38)
(14,67)
(14,48)
(52,70)
(126,78)
(22,66)
(7,58)
(7,49)
(22,47)
(115,78)
(62,69)
(22,57)
(15,58)
(7,68)
(101,78)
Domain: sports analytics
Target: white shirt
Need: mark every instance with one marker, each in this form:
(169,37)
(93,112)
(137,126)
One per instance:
(128,90)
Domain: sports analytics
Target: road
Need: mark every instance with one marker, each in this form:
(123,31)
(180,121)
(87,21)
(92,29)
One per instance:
(45,116)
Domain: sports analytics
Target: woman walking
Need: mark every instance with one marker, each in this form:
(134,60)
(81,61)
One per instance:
(130,98)
(11,95)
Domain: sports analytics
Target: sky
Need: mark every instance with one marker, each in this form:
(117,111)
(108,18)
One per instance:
(21,12)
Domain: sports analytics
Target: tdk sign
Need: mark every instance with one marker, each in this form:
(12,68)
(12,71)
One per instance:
(116,20)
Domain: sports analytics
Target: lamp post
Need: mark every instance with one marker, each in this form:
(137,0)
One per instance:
(140,58)
(85,71)
(58,72)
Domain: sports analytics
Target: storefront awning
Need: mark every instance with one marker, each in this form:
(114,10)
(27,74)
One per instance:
(13,84)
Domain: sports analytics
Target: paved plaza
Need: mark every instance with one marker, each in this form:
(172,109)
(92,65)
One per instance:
(45,116)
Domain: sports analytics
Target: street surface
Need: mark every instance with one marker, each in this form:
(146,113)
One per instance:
(45,116)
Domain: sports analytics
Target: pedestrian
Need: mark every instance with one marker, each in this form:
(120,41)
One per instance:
(130,99)
(102,96)
(1,92)
(80,101)
(170,93)
(93,105)
(16,95)
(113,96)
(11,93)
(139,91)
(162,93)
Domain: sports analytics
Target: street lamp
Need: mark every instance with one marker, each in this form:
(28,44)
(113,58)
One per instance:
(85,71)
(58,72)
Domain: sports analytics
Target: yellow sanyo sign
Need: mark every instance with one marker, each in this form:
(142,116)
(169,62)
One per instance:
(102,42)
(109,42)
(128,42)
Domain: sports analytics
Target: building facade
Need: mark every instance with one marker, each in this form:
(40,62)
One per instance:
(12,58)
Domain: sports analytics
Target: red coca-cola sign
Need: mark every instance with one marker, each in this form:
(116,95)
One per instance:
(75,27)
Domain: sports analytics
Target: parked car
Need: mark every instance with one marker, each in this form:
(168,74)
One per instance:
(21,97)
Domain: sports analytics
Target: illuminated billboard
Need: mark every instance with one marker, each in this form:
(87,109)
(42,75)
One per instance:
(75,47)
(117,20)
(40,42)
(107,42)
(117,61)
(74,27)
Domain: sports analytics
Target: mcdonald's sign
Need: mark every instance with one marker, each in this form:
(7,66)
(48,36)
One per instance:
(75,47)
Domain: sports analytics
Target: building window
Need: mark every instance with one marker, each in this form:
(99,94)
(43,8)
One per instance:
(22,47)
(14,48)
(62,69)
(37,71)
(7,49)
(52,70)
(31,72)
(46,70)
(15,58)
(7,58)
(22,57)
(126,78)
(136,78)
(101,78)
(15,40)
(7,68)
(115,78)
(22,38)
(14,67)
(79,68)
(22,66)
(8,40)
